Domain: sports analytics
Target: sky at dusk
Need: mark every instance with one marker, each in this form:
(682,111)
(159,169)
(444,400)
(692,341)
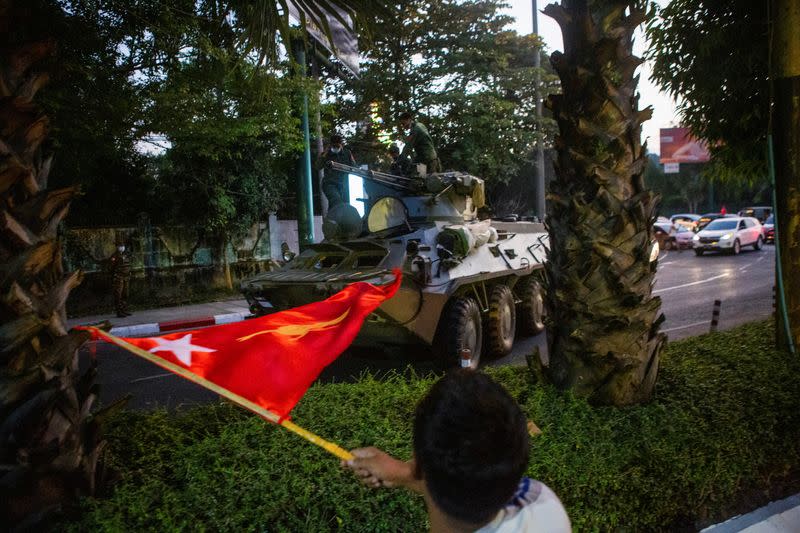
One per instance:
(664,113)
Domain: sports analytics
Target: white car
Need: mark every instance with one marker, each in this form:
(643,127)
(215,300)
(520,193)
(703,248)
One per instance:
(729,234)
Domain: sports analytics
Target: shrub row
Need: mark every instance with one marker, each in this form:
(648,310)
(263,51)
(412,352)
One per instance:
(721,436)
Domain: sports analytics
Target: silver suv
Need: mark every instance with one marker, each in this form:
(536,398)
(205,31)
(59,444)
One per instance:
(729,234)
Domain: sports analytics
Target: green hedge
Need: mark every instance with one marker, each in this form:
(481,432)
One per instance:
(721,436)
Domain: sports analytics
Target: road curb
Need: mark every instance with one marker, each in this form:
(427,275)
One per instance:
(154,328)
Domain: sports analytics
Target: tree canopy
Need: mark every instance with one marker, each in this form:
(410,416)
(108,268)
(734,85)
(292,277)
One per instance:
(230,125)
(95,108)
(713,58)
(463,72)
(131,73)
(186,76)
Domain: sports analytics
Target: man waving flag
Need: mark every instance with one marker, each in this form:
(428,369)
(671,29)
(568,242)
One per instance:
(265,364)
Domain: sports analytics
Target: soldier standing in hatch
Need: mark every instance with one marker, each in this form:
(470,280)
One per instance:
(120,267)
(400,166)
(334,182)
(419,141)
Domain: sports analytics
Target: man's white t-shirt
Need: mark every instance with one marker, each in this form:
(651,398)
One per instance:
(533,509)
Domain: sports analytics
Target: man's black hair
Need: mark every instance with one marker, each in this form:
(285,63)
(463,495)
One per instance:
(394,149)
(336,138)
(405,115)
(470,445)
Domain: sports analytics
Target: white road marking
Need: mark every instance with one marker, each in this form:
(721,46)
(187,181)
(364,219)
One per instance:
(686,326)
(744,268)
(665,289)
(667,263)
(156,376)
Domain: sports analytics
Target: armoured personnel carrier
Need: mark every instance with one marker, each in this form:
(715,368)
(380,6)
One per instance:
(468,284)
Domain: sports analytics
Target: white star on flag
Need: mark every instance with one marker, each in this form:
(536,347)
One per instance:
(182,348)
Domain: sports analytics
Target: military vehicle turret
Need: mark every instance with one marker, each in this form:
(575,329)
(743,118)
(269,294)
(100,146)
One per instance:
(468,284)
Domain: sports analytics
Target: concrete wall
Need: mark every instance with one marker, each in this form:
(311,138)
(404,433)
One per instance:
(281,231)
(171,265)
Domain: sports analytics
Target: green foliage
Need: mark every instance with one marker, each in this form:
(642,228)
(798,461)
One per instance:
(176,75)
(691,191)
(94,109)
(469,79)
(711,56)
(721,436)
(231,125)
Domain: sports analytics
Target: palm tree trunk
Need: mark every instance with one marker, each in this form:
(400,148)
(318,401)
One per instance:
(604,320)
(48,450)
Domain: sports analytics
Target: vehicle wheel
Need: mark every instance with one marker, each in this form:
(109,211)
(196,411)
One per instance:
(698,252)
(531,308)
(459,327)
(758,244)
(737,247)
(501,322)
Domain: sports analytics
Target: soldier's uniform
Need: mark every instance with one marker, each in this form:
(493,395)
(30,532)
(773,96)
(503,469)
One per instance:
(420,142)
(120,268)
(334,182)
(400,166)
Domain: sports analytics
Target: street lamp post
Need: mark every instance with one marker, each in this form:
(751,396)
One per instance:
(305,199)
(539,165)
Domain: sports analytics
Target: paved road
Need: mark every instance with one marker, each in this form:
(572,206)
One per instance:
(687,284)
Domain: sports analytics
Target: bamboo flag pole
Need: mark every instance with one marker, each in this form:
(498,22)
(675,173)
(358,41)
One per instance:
(225,393)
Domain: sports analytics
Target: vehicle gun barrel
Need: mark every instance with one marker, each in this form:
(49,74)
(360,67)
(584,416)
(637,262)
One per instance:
(383,178)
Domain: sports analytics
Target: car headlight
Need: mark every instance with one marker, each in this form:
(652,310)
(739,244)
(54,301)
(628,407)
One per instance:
(696,238)
(726,236)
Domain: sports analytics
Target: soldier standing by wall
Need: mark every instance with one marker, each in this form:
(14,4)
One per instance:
(120,268)
(334,183)
(420,142)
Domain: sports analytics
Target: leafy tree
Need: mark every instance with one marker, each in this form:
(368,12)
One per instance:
(468,77)
(690,191)
(720,79)
(715,57)
(231,126)
(684,191)
(95,108)
(603,318)
(49,441)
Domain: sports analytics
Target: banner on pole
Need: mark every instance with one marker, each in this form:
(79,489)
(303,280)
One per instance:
(342,43)
(679,146)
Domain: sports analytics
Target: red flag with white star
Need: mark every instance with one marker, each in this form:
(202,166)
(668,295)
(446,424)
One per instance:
(272,360)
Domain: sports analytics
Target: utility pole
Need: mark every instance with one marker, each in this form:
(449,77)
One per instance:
(315,72)
(539,165)
(305,198)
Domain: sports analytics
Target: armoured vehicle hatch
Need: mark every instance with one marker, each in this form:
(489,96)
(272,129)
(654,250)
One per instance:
(468,284)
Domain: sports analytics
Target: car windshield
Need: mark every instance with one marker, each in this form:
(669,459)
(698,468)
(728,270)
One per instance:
(770,220)
(720,225)
(683,229)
